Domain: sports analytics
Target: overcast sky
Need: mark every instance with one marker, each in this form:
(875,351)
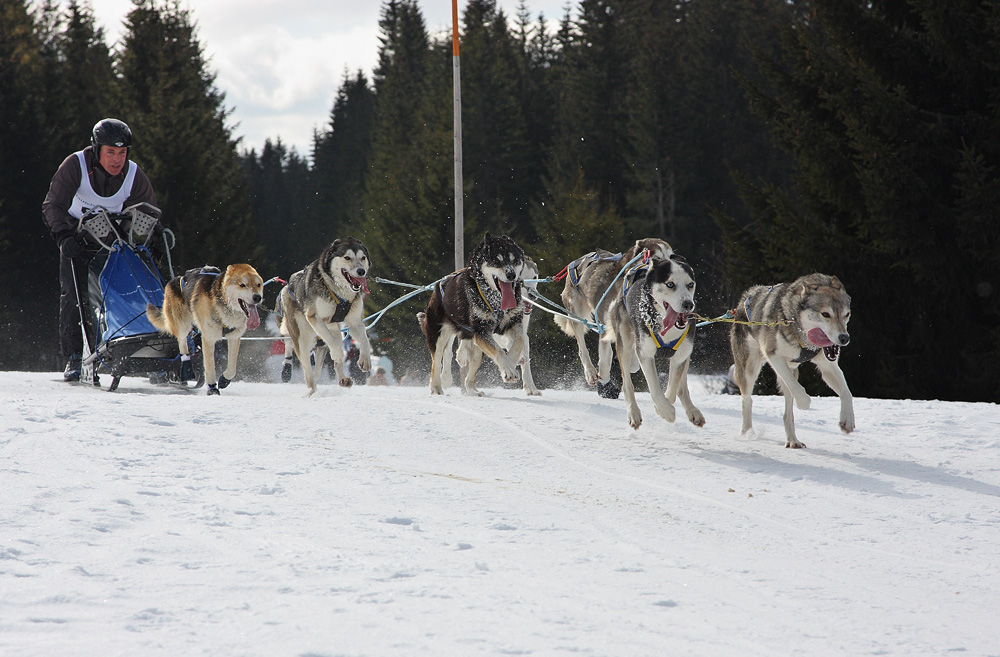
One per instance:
(280,62)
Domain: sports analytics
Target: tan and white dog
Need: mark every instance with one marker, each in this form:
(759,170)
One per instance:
(793,324)
(220,304)
(329,292)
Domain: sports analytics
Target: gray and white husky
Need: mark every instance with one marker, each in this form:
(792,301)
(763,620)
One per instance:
(651,314)
(470,357)
(588,280)
(328,293)
(804,322)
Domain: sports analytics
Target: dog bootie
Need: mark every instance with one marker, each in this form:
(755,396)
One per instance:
(609,390)
(223,382)
(286,372)
(187,370)
(213,390)
(72,371)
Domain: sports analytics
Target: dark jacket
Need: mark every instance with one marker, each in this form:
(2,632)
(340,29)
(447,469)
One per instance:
(66,181)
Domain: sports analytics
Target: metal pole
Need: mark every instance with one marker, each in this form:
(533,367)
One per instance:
(459,189)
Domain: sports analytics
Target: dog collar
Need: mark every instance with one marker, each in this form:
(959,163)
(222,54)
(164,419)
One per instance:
(485,300)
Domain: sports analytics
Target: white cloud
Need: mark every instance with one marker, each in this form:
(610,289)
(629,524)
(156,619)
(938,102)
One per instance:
(280,63)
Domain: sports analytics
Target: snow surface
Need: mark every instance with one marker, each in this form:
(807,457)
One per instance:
(384,521)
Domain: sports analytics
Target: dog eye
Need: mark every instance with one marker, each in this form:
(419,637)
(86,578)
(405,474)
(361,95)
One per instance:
(690,286)
(671,285)
(825,314)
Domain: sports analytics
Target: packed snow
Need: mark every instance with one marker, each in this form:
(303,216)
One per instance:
(381,520)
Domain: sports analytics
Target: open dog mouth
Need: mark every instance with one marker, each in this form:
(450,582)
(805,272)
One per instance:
(507,299)
(250,310)
(357,283)
(819,338)
(672,318)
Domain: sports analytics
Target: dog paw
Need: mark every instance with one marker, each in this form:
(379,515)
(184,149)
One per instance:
(592,377)
(696,417)
(533,392)
(803,402)
(793,443)
(666,411)
(634,418)
(365,363)
(345,382)
(847,424)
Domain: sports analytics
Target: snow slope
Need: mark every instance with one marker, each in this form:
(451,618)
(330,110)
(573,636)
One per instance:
(384,521)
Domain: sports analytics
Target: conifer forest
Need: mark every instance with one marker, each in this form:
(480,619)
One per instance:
(763,139)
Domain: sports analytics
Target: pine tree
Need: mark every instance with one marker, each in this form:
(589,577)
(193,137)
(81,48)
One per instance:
(181,139)
(890,112)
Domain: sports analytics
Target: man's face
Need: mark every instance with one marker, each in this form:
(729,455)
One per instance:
(113,158)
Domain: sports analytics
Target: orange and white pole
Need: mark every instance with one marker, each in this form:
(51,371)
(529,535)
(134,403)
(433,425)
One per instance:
(459,189)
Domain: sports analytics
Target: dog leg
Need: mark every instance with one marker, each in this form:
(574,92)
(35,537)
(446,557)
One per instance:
(470,357)
(677,386)
(589,371)
(626,352)
(790,379)
(446,375)
(605,354)
(528,381)
(834,378)
(232,356)
(208,356)
(332,341)
(748,361)
(664,407)
(789,419)
(507,367)
(443,343)
(360,335)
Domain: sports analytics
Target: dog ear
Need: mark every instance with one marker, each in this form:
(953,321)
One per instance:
(836,284)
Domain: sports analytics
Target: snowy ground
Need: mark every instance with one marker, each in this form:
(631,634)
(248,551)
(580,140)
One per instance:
(383,521)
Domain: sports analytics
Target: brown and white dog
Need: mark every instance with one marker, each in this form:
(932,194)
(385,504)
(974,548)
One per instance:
(220,304)
(477,303)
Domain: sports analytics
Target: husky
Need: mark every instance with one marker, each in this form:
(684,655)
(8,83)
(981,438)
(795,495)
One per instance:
(476,303)
(588,279)
(651,314)
(220,305)
(328,293)
(793,324)
(470,357)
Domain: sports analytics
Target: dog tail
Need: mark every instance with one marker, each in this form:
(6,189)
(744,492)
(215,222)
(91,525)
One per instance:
(156,318)
(565,324)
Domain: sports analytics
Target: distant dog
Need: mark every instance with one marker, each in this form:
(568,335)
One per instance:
(474,304)
(587,281)
(802,319)
(329,292)
(650,314)
(220,304)
(470,357)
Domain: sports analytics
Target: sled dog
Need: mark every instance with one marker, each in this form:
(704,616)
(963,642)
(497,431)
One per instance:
(650,314)
(470,357)
(328,293)
(221,304)
(474,304)
(587,280)
(809,318)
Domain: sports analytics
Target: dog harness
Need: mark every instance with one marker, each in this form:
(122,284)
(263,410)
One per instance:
(573,267)
(343,305)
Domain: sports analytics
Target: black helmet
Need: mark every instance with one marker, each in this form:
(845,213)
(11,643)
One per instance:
(110,132)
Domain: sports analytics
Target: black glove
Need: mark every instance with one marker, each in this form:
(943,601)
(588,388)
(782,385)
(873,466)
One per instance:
(71,246)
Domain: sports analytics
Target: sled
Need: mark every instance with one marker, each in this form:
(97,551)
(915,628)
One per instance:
(118,338)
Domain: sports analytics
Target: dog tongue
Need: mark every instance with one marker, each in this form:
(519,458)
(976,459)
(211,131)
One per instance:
(253,319)
(818,338)
(507,300)
(669,317)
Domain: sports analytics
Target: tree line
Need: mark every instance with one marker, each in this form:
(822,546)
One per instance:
(764,139)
